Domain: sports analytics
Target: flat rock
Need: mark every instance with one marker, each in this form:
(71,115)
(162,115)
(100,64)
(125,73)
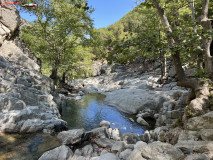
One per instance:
(197,157)
(100,132)
(60,153)
(139,100)
(105,142)
(197,146)
(70,137)
(156,151)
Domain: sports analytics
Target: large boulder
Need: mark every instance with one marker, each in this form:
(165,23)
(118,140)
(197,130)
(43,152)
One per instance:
(60,153)
(202,122)
(10,51)
(70,137)
(9,16)
(156,151)
(133,100)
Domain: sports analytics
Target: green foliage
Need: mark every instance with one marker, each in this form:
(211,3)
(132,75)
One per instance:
(200,73)
(61,36)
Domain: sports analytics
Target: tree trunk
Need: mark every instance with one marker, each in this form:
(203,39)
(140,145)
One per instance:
(206,38)
(175,56)
(200,89)
(54,75)
(64,77)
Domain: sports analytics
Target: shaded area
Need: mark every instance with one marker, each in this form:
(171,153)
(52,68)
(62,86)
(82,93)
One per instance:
(90,111)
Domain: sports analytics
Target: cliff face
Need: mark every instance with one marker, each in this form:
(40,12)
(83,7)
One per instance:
(26,101)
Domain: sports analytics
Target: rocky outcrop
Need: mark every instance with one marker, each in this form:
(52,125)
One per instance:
(9,22)
(60,153)
(26,101)
(129,147)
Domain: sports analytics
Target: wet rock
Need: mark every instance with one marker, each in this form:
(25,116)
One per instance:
(60,153)
(104,124)
(70,137)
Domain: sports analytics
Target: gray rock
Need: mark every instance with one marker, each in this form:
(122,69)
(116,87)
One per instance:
(131,138)
(146,137)
(125,154)
(197,157)
(60,153)
(87,150)
(118,146)
(202,122)
(172,72)
(116,134)
(104,124)
(101,132)
(104,152)
(139,144)
(77,154)
(197,146)
(108,156)
(156,151)
(142,121)
(129,146)
(104,142)
(70,137)
(81,158)
(206,134)
(139,100)
(187,135)
(177,114)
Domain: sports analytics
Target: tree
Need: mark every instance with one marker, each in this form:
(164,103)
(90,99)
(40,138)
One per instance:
(61,27)
(199,88)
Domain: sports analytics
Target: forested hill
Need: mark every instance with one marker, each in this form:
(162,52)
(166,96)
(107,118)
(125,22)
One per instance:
(141,33)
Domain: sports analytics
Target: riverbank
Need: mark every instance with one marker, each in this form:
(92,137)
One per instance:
(141,94)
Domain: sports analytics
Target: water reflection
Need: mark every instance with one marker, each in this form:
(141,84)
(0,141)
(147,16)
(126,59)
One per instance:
(90,111)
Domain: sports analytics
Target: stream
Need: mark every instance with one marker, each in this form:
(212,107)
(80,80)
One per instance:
(86,113)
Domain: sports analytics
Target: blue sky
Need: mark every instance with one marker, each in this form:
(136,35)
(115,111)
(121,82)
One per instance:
(106,12)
